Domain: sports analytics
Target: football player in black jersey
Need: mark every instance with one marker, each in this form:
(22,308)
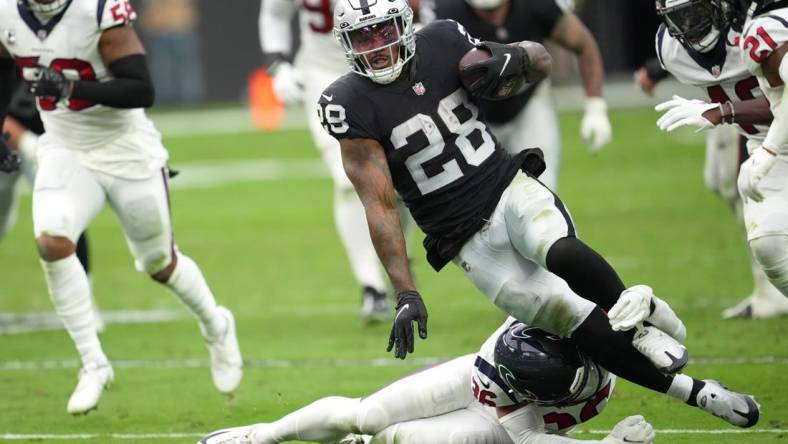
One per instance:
(532,115)
(407,119)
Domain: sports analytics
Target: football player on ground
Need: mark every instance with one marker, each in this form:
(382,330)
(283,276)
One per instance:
(317,63)
(524,386)
(407,119)
(87,67)
(22,127)
(763,180)
(694,45)
(530,119)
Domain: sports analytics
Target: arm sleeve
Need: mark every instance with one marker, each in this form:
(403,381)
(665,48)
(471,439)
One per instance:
(777,136)
(131,87)
(525,426)
(112,13)
(274,26)
(7,82)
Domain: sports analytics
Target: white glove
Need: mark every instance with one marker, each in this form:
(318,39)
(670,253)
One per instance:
(595,129)
(632,308)
(632,429)
(287,83)
(752,171)
(684,112)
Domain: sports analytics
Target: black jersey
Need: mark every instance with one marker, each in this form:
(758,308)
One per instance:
(532,20)
(23,108)
(444,162)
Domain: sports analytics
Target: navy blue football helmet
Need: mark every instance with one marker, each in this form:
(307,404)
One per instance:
(737,11)
(544,368)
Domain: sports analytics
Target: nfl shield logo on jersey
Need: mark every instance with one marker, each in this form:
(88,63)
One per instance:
(419,89)
(715,70)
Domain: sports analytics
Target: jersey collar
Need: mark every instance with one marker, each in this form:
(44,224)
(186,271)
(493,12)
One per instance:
(713,60)
(41,30)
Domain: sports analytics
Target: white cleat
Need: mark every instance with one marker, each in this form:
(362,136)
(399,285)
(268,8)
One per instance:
(758,307)
(235,435)
(226,361)
(735,408)
(666,353)
(93,379)
(374,306)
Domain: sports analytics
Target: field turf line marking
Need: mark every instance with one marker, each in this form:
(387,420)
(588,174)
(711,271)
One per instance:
(54,364)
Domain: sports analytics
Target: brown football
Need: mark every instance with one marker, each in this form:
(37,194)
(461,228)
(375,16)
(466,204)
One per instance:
(471,57)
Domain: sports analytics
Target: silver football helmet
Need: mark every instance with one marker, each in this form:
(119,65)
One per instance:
(696,24)
(46,8)
(484,4)
(376,35)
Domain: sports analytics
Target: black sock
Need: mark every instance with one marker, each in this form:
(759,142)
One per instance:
(614,351)
(82,252)
(697,386)
(587,273)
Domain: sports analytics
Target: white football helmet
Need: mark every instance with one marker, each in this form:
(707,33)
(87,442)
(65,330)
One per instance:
(484,4)
(46,8)
(696,24)
(377,36)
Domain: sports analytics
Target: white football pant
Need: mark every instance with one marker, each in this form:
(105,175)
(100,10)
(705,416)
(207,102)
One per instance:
(506,259)
(434,405)
(535,126)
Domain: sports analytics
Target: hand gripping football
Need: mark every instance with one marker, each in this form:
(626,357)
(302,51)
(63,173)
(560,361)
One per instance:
(471,78)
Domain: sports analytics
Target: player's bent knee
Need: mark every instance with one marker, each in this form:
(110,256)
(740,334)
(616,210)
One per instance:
(54,248)
(371,418)
(771,252)
(160,265)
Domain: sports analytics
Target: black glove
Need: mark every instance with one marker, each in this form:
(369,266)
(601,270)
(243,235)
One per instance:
(9,162)
(500,76)
(50,83)
(410,307)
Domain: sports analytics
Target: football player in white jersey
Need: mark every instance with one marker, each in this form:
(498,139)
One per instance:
(318,62)
(87,67)
(694,45)
(763,180)
(523,386)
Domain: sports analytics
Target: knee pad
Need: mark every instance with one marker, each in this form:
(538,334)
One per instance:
(771,252)
(154,261)
(371,418)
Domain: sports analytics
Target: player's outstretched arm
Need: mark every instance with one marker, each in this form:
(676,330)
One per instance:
(525,425)
(754,169)
(367,168)
(573,35)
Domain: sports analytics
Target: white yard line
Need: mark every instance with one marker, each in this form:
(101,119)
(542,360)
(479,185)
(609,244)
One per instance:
(305,363)
(15,323)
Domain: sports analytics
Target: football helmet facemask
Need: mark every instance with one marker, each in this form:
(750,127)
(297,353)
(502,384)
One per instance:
(46,8)
(546,369)
(376,35)
(696,24)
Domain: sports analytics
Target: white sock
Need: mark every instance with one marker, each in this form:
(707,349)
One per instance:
(190,286)
(681,387)
(351,221)
(325,420)
(69,290)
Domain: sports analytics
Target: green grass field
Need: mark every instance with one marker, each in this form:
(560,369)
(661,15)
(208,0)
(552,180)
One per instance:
(270,253)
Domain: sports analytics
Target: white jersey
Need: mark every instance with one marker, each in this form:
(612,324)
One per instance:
(121,142)
(491,390)
(319,49)
(720,73)
(762,35)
